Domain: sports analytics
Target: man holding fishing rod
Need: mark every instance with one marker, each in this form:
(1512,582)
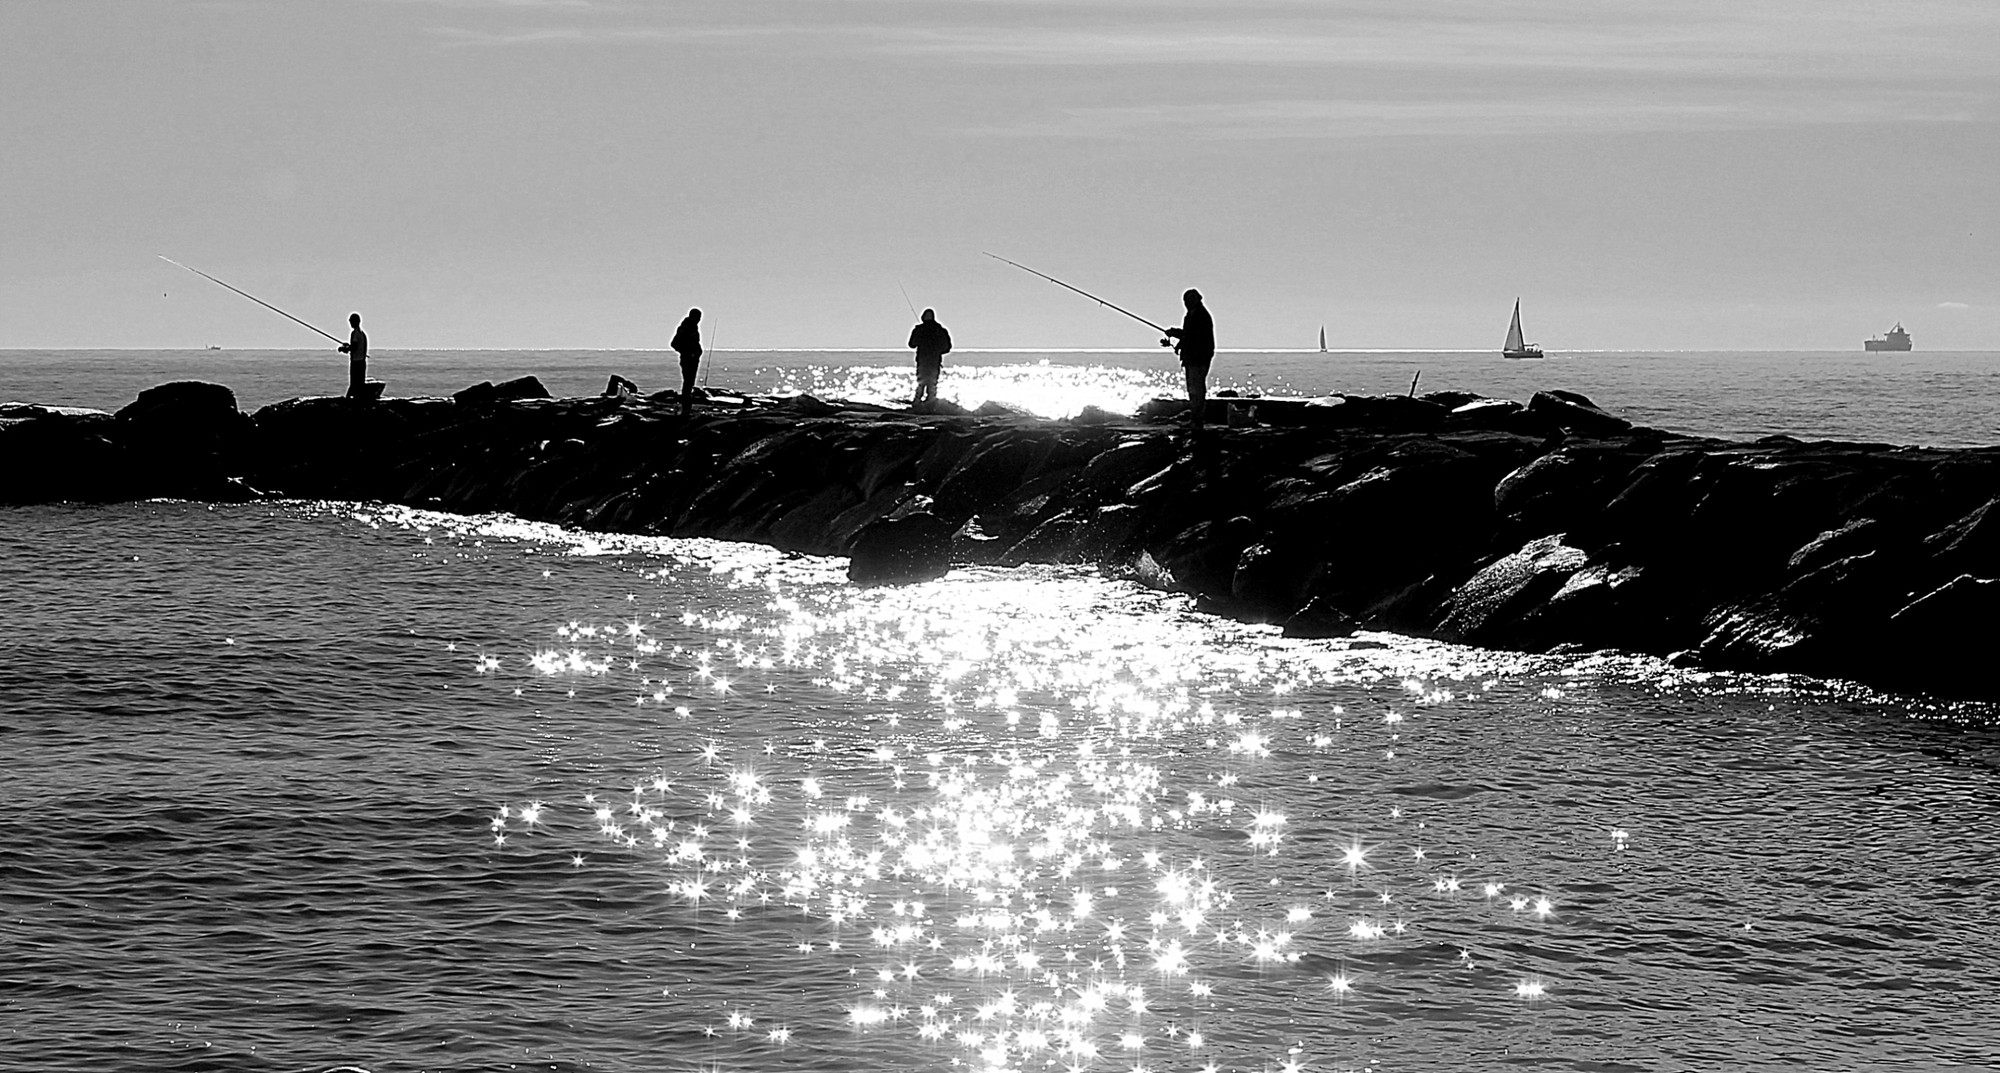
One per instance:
(356,349)
(1194,341)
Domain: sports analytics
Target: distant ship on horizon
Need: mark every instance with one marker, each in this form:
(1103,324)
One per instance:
(1897,339)
(1516,345)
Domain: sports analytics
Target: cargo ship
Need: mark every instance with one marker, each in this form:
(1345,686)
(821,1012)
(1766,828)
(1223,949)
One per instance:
(1897,339)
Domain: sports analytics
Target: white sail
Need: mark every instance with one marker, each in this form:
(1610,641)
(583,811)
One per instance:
(1515,342)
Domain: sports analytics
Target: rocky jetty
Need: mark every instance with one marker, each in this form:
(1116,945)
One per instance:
(1525,526)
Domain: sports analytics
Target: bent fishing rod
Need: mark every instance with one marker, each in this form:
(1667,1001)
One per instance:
(250,296)
(1079,290)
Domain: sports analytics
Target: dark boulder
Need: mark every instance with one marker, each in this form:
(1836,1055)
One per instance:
(1091,415)
(1575,414)
(1001,462)
(1453,400)
(1970,545)
(183,438)
(486,392)
(1482,414)
(803,405)
(1271,579)
(187,417)
(1202,558)
(1507,589)
(1112,473)
(909,547)
(1564,488)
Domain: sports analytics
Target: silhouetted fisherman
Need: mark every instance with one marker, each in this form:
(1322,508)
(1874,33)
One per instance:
(931,342)
(1195,343)
(356,349)
(687,343)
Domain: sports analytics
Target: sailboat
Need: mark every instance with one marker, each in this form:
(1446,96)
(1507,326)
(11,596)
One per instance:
(1322,338)
(1515,347)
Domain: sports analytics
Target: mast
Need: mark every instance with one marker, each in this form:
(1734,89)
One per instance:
(1515,342)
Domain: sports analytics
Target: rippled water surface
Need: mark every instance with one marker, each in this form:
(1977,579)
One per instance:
(302,786)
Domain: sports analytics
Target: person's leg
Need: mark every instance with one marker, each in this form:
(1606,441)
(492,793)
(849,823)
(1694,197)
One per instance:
(688,369)
(1197,389)
(357,377)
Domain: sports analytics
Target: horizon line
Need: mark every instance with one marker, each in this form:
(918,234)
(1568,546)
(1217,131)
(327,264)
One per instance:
(1572,351)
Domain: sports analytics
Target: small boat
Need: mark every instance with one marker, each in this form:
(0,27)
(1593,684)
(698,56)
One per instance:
(1897,339)
(1515,347)
(1322,338)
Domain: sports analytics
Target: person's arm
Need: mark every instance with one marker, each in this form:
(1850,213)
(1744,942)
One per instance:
(914,334)
(944,338)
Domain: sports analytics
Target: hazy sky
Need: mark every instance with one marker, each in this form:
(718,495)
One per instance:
(1707,174)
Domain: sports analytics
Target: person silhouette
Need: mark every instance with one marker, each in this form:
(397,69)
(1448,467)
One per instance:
(687,343)
(1194,341)
(356,349)
(931,342)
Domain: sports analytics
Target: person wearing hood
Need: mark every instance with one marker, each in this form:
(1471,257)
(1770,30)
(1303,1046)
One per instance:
(687,343)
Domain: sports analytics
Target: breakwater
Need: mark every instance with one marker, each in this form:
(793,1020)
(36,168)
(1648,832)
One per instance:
(1510,525)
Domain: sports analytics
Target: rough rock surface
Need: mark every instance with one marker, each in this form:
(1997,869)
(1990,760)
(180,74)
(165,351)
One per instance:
(1530,527)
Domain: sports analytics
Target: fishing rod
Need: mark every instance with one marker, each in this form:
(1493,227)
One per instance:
(906,298)
(1080,291)
(709,365)
(248,295)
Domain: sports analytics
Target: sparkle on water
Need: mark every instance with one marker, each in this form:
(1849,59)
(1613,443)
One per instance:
(1045,388)
(1087,847)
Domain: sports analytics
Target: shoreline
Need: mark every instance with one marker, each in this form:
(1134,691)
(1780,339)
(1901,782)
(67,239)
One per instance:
(1484,521)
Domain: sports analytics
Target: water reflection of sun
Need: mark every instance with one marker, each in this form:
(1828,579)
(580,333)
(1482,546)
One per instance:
(1063,836)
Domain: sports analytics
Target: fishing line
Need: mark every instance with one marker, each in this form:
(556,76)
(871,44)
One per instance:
(248,295)
(1079,290)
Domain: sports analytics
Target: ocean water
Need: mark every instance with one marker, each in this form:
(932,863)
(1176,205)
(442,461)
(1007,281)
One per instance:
(1943,399)
(322,786)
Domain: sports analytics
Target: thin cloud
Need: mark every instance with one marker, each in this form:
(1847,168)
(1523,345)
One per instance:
(1953,305)
(1848,38)
(463,37)
(1488,115)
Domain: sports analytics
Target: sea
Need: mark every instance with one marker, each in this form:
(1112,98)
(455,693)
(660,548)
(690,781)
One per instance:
(326,787)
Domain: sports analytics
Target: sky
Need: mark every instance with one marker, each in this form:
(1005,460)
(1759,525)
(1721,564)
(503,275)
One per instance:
(1644,174)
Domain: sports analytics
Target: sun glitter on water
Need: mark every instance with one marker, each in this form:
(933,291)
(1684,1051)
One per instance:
(1070,838)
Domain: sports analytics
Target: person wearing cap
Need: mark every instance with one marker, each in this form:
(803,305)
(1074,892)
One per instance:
(931,342)
(1194,341)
